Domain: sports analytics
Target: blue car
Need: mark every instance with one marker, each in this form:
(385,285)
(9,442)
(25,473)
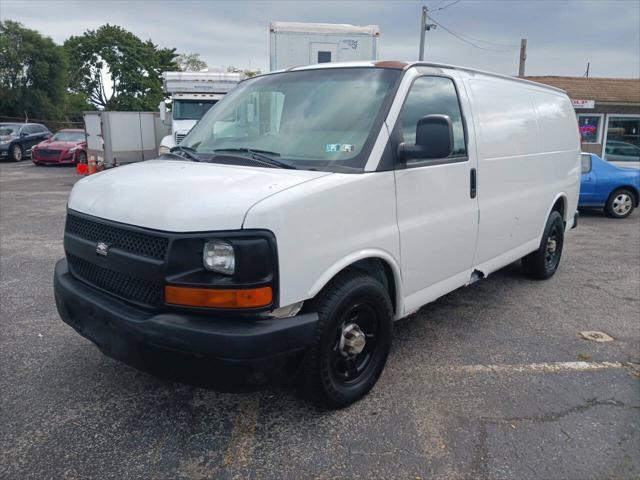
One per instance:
(606,186)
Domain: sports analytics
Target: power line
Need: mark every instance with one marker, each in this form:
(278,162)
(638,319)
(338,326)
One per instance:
(461,37)
(507,45)
(448,5)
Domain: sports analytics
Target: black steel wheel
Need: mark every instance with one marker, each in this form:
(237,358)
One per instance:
(543,263)
(352,340)
(354,345)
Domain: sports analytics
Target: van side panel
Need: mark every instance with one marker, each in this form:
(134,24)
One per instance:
(528,154)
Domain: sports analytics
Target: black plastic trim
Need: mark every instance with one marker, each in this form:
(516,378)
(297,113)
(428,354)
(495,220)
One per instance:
(103,319)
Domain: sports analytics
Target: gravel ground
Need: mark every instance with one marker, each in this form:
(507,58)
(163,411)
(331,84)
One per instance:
(489,382)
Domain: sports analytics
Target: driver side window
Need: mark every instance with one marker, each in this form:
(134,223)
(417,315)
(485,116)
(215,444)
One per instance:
(433,96)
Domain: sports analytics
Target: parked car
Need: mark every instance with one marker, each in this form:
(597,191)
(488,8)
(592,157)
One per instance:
(273,233)
(17,139)
(66,146)
(622,154)
(606,186)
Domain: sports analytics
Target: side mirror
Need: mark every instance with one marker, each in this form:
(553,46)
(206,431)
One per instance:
(434,139)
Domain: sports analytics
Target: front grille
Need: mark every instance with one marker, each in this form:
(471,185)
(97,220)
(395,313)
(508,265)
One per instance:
(180,137)
(116,237)
(45,153)
(116,283)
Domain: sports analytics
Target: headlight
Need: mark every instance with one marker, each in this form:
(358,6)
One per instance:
(163,149)
(3,142)
(218,256)
(73,149)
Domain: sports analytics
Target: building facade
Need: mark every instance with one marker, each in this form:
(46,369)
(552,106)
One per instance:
(608,112)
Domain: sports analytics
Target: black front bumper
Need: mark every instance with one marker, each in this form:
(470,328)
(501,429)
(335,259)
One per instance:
(124,332)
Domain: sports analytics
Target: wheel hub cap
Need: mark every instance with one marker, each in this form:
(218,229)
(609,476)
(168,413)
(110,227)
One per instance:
(551,245)
(352,340)
(622,204)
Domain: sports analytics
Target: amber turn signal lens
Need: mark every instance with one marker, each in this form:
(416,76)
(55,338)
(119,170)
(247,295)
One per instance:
(218,298)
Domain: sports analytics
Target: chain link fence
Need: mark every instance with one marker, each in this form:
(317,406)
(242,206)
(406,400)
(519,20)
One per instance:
(53,125)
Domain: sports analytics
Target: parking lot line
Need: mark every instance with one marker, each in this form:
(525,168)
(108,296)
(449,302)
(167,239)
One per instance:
(544,367)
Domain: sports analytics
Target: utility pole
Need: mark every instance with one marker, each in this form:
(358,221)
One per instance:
(523,56)
(424,27)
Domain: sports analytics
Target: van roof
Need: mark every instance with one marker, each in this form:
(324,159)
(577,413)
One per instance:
(401,65)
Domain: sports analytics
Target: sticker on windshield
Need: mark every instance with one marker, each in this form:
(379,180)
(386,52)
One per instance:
(339,147)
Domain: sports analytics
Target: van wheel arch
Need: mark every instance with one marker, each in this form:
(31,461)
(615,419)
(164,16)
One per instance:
(378,269)
(560,206)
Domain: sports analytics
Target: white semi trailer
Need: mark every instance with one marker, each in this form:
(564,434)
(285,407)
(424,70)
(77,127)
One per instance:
(294,44)
(192,95)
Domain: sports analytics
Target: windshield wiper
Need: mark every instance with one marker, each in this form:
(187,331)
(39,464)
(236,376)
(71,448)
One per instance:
(262,155)
(189,152)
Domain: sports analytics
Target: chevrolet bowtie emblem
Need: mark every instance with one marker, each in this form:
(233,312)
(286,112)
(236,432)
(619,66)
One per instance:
(102,249)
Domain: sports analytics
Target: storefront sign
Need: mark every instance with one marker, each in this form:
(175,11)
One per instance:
(578,103)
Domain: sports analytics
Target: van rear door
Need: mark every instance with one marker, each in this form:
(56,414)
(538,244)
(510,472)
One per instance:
(436,207)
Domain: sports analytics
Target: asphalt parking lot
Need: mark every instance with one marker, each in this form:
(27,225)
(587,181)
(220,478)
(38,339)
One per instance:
(490,382)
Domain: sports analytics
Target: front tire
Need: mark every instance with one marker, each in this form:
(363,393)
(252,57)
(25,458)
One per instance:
(351,342)
(16,153)
(620,203)
(543,263)
(82,158)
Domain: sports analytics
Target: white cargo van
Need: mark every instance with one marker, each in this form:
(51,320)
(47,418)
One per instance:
(313,207)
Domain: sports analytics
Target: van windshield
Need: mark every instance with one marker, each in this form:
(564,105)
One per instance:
(324,119)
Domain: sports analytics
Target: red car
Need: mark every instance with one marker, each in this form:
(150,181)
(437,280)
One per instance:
(67,146)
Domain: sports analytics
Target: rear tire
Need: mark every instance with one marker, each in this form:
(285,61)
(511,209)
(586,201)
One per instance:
(620,203)
(543,263)
(337,370)
(16,153)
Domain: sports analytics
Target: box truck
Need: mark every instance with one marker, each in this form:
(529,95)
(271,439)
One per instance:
(297,237)
(294,44)
(118,138)
(192,95)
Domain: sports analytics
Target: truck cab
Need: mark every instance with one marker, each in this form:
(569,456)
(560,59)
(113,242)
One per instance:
(192,95)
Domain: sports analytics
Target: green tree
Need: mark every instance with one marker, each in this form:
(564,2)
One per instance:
(190,62)
(33,74)
(117,70)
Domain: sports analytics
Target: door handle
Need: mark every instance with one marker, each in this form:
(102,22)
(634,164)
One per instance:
(472,183)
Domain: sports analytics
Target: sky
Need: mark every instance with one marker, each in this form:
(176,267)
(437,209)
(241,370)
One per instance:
(562,35)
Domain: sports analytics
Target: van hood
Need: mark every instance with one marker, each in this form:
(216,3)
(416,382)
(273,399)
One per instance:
(181,196)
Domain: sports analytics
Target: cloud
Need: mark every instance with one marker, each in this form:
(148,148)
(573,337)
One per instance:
(562,35)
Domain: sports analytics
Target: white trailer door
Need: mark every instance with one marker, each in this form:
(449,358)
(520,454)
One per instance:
(436,204)
(323,52)
(93,130)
